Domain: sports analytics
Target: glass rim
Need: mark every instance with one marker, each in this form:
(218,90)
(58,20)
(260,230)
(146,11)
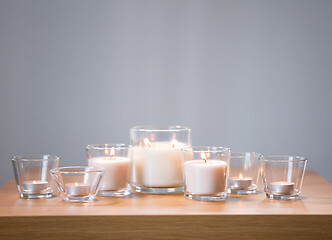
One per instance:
(103,146)
(207,149)
(281,158)
(79,170)
(243,154)
(160,128)
(36,158)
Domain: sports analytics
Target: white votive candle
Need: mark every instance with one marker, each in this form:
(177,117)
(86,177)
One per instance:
(35,186)
(116,171)
(77,189)
(285,188)
(158,165)
(205,177)
(240,182)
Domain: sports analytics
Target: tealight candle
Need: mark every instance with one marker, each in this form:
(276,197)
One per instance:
(35,186)
(282,187)
(240,182)
(77,189)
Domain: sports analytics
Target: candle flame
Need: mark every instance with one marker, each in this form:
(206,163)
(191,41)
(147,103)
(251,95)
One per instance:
(208,155)
(174,136)
(203,156)
(76,184)
(152,137)
(240,176)
(112,152)
(147,142)
(174,142)
(106,149)
(34,182)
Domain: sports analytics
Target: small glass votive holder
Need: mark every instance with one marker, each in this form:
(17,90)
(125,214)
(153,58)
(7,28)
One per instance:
(77,184)
(156,155)
(205,171)
(243,172)
(32,175)
(114,160)
(283,176)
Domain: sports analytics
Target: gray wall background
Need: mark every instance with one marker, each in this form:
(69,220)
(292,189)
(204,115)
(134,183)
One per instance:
(251,75)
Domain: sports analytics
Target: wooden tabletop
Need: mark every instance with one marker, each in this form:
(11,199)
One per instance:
(159,214)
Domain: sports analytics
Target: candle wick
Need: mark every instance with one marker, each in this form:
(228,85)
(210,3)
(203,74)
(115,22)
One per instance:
(174,141)
(203,156)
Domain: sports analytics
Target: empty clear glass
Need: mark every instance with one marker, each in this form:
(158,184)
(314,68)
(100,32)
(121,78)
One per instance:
(77,184)
(205,171)
(283,176)
(156,156)
(32,175)
(243,172)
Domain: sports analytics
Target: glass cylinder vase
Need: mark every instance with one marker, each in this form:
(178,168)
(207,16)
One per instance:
(283,176)
(114,160)
(243,172)
(156,158)
(32,175)
(205,172)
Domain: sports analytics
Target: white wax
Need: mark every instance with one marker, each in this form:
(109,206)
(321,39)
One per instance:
(239,183)
(205,177)
(282,187)
(116,171)
(36,186)
(77,189)
(159,165)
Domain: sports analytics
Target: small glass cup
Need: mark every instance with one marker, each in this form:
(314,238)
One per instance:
(243,172)
(283,176)
(114,160)
(205,171)
(77,184)
(32,175)
(156,156)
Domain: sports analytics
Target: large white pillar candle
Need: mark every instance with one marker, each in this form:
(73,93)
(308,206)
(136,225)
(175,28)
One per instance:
(116,171)
(158,164)
(35,186)
(77,189)
(282,187)
(205,177)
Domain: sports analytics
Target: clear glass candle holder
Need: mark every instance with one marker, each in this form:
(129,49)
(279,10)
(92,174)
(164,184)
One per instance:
(156,156)
(283,176)
(32,175)
(243,172)
(77,184)
(205,171)
(114,160)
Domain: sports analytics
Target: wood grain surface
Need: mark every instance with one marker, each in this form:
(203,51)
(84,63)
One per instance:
(143,216)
